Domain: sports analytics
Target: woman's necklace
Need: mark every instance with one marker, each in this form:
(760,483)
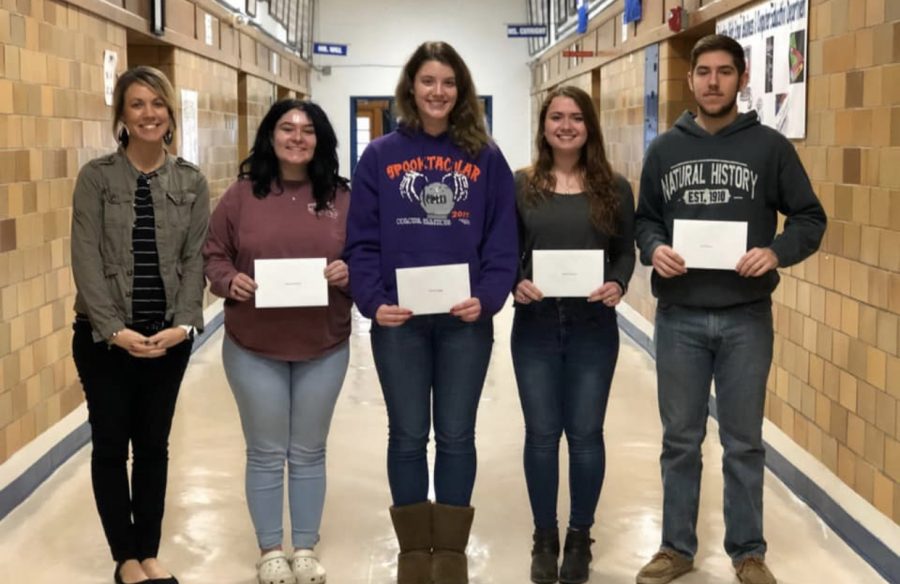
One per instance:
(568,184)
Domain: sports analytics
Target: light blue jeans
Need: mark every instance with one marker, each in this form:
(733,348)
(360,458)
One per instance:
(694,346)
(286,409)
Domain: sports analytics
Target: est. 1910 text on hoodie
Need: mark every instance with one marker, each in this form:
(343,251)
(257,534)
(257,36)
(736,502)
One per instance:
(745,172)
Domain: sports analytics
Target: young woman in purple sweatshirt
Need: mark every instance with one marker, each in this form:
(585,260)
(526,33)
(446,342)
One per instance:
(436,191)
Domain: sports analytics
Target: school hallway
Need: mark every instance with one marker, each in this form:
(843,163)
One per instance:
(55,535)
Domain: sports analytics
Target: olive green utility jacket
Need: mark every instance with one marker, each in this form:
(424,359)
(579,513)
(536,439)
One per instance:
(102,254)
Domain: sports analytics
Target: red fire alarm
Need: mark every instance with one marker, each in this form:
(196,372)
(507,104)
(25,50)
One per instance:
(677,19)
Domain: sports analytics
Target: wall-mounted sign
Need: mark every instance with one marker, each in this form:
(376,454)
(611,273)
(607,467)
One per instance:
(208,28)
(330,49)
(581,28)
(578,54)
(526,30)
(158,17)
(774,35)
(190,142)
(110,60)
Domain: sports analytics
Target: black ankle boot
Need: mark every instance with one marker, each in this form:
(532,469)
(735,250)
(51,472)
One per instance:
(576,565)
(544,556)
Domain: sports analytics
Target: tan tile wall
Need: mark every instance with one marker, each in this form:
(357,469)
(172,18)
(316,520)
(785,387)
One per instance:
(255,96)
(53,119)
(835,381)
(621,105)
(217,103)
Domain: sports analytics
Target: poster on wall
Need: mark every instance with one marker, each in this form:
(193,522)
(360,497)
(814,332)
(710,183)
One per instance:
(190,145)
(774,37)
(110,62)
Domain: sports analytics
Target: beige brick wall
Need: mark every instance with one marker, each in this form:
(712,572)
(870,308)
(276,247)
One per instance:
(621,103)
(53,119)
(835,381)
(255,96)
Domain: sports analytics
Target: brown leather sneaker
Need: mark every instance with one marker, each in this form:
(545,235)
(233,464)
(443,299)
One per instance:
(665,566)
(753,570)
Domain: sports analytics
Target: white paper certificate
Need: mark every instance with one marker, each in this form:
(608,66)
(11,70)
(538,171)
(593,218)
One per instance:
(562,273)
(433,289)
(291,282)
(713,245)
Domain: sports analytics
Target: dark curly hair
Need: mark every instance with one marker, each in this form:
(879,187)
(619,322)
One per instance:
(261,166)
(596,171)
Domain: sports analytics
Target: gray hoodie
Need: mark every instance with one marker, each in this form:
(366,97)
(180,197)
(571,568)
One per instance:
(744,172)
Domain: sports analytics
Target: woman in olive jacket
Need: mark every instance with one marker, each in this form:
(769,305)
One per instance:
(139,220)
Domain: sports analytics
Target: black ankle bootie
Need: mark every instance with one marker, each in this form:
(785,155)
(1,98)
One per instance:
(576,564)
(544,556)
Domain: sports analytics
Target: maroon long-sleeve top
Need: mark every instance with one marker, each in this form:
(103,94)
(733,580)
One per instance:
(282,225)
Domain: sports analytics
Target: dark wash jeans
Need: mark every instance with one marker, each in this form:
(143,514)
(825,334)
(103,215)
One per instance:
(564,354)
(732,346)
(432,365)
(129,400)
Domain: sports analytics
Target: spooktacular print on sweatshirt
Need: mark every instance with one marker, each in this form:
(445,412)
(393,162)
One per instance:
(419,200)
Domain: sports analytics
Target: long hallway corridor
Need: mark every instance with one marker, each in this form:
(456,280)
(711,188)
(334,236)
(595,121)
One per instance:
(55,536)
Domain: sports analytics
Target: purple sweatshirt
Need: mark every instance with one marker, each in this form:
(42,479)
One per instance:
(419,200)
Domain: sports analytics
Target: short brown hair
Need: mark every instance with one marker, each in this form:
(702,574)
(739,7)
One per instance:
(153,78)
(466,124)
(720,42)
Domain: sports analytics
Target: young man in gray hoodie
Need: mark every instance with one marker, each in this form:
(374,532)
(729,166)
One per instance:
(716,324)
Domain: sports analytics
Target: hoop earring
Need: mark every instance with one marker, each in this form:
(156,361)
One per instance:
(168,137)
(123,136)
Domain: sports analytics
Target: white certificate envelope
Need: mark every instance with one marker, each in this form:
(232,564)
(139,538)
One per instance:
(433,289)
(713,245)
(562,273)
(291,282)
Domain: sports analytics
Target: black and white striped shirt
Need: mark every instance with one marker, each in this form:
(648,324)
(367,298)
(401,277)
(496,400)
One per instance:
(148,301)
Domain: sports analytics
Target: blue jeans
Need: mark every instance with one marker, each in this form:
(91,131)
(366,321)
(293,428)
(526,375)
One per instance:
(564,353)
(733,346)
(286,409)
(432,365)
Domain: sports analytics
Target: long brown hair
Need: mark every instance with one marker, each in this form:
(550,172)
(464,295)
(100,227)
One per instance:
(466,123)
(596,172)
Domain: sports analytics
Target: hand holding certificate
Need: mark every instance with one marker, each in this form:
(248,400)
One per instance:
(560,273)
(291,283)
(712,245)
(433,289)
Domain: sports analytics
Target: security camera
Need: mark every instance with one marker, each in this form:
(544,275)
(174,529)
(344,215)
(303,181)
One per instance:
(238,20)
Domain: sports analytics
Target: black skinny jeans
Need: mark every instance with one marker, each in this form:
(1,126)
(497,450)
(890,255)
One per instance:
(129,400)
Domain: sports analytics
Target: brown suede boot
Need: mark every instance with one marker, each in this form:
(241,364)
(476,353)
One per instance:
(451,535)
(412,524)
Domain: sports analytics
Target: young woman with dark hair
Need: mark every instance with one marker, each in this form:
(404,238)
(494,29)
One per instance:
(436,191)
(285,365)
(565,349)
